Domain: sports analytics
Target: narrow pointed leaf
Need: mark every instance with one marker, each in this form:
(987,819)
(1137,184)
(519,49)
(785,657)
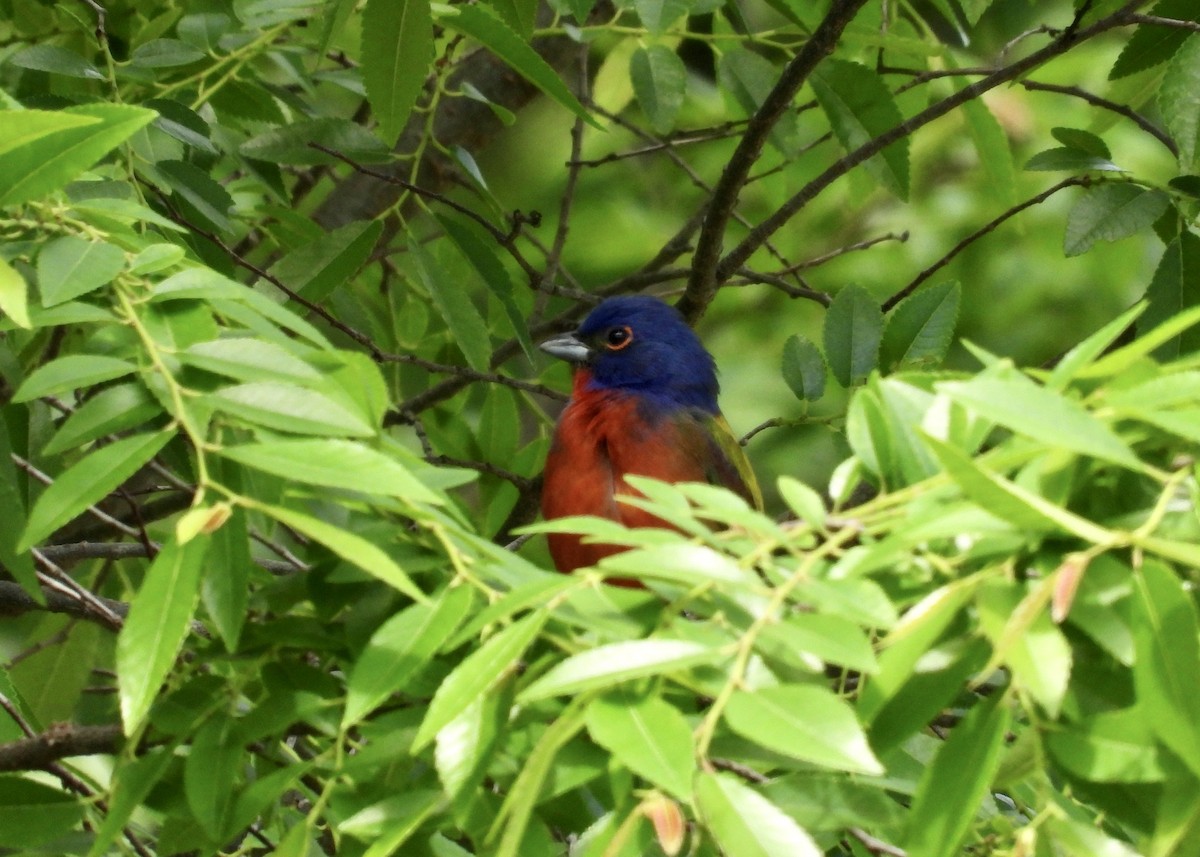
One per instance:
(87,482)
(478,673)
(921,327)
(616,662)
(397,48)
(351,547)
(746,824)
(156,626)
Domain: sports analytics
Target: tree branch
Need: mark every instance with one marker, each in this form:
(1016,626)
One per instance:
(704,279)
(60,742)
(1073,181)
(736,258)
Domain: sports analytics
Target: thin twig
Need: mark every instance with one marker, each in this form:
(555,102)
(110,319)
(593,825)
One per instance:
(61,741)
(1073,181)
(876,846)
(95,512)
(1159,21)
(705,277)
(700,291)
(1120,109)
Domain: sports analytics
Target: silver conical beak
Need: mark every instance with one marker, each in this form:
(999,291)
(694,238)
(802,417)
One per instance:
(567,347)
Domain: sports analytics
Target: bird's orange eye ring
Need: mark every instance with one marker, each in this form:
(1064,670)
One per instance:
(618,338)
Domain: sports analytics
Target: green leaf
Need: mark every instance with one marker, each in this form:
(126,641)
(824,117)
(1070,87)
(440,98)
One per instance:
(199,190)
(113,409)
(1069,160)
(453,302)
(157,257)
(14,300)
(478,250)
(69,267)
(805,722)
(1111,212)
(165,53)
(1044,415)
(291,408)
(156,626)
(226,595)
(290,144)
(1110,747)
(465,746)
(48,161)
(248,359)
(131,784)
(1167,644)
(349,546)
(32,812)
(833,639)
(746,824)
(803,368)
(317,269)
(920,328)
(334,464)
(88,481)
(1024,637)
(955,783)
(1174,289)
(400,649)
(659,15)
(210,773)
(397,49)
(853,329)
(750,78)
(1083,141)
(860,107)
(1179,101)
(482,25)
(995,153)
(12,499)
(1009,501)
(1152,44)
(55,60)
(613,663)
(477,674)
(660,83)
(71,373)
(518,14)
(647,735)
(802,500)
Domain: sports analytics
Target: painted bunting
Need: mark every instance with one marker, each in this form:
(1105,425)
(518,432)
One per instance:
(643,402)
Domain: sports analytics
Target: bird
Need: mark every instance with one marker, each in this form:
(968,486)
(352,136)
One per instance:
(643,402)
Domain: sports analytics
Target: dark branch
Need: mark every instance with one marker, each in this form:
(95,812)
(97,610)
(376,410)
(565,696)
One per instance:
(702,285)
(1074,181)
(60,742)
(1120,109)
(736,258)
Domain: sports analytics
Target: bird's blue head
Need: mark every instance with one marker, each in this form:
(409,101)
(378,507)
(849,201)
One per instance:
(640,345)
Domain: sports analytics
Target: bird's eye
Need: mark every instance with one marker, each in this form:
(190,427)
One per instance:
(618,337)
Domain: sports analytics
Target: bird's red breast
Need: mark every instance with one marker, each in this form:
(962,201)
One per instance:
(603,435)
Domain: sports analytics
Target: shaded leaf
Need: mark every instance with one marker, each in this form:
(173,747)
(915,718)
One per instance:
(853,330)
(400,649)
(921,327)
(1069,160)
(1111,212)
(1151,44)
(803,368)
(1174,289)
(14,299)
(860,108)
(291,144)
(397,49)
(482,25)
(659,82)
